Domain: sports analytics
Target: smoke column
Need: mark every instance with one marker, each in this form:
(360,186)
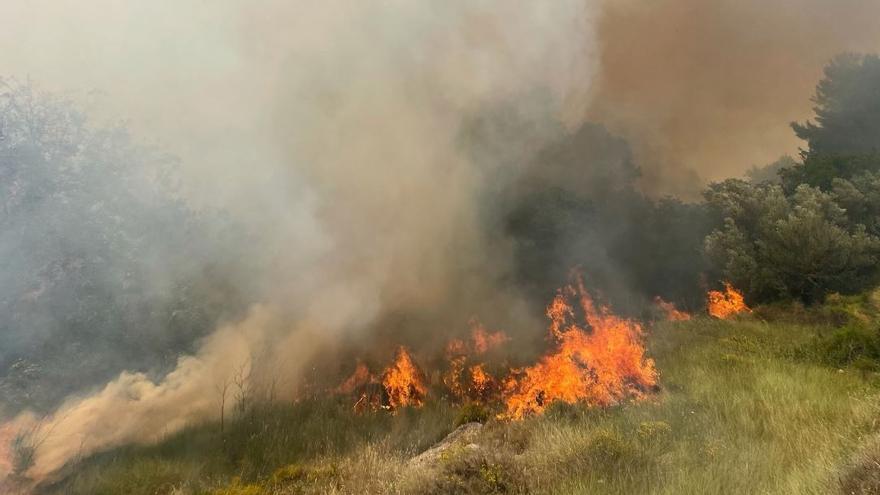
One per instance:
(334,126)
(704,89)
(331,128)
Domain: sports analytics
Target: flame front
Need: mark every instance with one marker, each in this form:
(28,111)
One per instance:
(598,366)
(599,363)
(360,378)
(672,313)
(465,379)
(725,304)
(403,382)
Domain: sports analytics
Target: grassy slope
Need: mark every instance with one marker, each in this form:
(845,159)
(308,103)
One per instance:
(745,407)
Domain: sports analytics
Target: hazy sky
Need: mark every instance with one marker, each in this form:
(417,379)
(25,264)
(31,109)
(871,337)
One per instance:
(695,84)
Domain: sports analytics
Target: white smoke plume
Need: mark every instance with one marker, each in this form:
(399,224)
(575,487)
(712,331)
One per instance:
(333,127)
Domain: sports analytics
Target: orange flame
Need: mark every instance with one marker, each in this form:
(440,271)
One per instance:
(723,305)
(358,379)
(452,379)
(482,383)
(672,313)
(600,366)
(365,386)
(485,341)
(403,382)
(456,347)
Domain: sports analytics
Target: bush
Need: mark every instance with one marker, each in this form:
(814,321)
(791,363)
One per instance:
(849,345)
(472,412)
(609,451)
(654,433)
(478,471)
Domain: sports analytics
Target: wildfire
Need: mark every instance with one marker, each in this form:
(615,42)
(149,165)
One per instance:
(725,304)
(481,341)
(482,383)
(598,362)
(453,378)
(360,378)
(672,313)
(403,382)
(600,366)
(485,341)
(472,382)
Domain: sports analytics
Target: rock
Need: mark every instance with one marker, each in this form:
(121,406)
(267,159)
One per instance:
(462,437)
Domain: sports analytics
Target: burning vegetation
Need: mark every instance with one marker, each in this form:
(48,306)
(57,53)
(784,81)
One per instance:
(670,311)
(723,305)
(404,382)
(598,361)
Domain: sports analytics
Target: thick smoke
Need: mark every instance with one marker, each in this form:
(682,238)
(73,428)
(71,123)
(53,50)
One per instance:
(707,86)
(333,130)
(337,139)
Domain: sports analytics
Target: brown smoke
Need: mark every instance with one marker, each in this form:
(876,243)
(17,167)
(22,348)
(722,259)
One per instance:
(711,85)
(333,126)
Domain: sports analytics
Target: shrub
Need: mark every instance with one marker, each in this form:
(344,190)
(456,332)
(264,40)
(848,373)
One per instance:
(478,471)
(608,450)
(472,412)
(654,432)
(849,345)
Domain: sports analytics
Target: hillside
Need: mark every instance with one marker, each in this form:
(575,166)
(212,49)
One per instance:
(744,406)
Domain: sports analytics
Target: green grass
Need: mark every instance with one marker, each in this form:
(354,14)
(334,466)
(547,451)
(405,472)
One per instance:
(744,407)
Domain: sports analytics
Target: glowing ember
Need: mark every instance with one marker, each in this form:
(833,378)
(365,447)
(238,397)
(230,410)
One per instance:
(403,382)
(672,313)
(725,304)
(599,366)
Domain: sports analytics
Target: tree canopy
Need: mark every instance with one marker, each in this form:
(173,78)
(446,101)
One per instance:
(102,266)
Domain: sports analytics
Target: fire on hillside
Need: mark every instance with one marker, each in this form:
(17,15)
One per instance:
(595,357)
(723,305)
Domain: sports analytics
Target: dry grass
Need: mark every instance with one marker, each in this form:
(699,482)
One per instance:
(745,407)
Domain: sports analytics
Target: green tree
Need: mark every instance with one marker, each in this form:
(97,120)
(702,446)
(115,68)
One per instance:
(103,266)
(847,108)
(576,204)
(776,246)
(844,138)
(859,196)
